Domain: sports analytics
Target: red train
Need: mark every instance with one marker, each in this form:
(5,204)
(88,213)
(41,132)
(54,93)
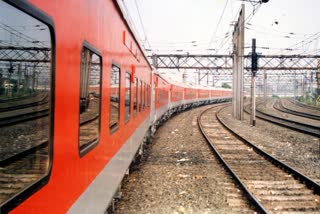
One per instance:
(83,100)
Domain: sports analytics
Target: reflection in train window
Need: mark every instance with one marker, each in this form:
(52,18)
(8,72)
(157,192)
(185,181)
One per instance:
(114,98)
(141,96)
(145,95)
(90,99)
(135,95)
(127,97)
(25,102)
(149,95)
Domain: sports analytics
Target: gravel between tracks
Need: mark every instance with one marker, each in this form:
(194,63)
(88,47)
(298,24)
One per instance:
(180,175)
(300,151)
(268,109)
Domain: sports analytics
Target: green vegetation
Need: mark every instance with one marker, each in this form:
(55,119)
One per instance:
(308,99)
(225,85)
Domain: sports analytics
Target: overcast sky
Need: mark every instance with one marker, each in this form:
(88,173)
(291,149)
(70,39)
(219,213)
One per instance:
(194,26)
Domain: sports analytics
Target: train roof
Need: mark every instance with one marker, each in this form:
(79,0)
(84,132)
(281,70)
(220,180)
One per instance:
(127,23)
(185,85)
(179,84)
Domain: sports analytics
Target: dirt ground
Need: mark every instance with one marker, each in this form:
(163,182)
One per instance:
(179,174)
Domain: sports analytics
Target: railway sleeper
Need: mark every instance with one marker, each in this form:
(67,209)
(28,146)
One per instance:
(306,197)
(147,140)
(290,206)
(291,192)
(278,187)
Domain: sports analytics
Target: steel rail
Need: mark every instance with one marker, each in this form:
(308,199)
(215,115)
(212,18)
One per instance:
(23,153)
(311,184)
(284,109)
(22,106)
(294,125)
(11,120)
(298,103)
(251,197)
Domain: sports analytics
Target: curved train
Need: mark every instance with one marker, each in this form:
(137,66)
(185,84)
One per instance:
(84,101)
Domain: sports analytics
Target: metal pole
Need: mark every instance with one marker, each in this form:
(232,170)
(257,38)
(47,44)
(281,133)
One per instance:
(253,101)
(264,84)
(234,80)
(238,66)
(295,86)
(241,60)
(311,86)
(253,96)
(318,80)
(154,60)
(213,79)
(19,77)
(184,77)
(302,86)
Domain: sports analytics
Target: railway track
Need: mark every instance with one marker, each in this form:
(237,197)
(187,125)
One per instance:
(39,99)
(305,105)
(272,186)
(11,156)
(17,174)
(22,109)
(88,132)
(279,105)
(19,98)
(23,114)
(295,125)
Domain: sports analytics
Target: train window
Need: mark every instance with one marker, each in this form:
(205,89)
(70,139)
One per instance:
(26,103)
(136,91)
(90,99)
(145,95)
(141,97)
(114,98)
(128,97)
(149,95)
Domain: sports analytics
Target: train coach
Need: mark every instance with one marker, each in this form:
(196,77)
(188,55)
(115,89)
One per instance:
(87,100)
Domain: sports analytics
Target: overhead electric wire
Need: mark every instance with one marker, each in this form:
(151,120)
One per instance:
(271,29)
(21,35)
(289,36)
(274,48)
(182,42)
(305,41)
(228,34)
(247,19)
(251,15)
(216,29)
(142,25)
(315,40)
(130,21)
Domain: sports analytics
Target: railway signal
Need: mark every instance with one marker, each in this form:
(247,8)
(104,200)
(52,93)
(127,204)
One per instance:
(254,69)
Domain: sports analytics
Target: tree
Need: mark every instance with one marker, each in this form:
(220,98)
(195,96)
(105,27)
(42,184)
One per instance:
(225,85)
